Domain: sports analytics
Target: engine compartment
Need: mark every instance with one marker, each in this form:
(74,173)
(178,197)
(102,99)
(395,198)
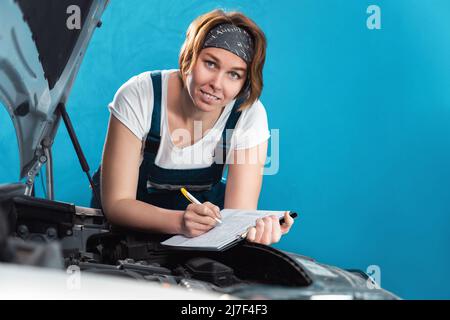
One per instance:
(90,243)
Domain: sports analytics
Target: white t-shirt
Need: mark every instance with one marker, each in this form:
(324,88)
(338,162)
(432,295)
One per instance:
(133,105)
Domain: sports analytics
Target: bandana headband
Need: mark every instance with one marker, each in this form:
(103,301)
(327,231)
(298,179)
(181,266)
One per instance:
(232,38)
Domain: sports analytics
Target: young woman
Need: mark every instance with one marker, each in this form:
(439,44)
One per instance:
(181,128)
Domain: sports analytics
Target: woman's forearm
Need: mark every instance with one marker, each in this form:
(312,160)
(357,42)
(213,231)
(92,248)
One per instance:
(146,217)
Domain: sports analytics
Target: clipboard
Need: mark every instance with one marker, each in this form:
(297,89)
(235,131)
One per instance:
(230,242)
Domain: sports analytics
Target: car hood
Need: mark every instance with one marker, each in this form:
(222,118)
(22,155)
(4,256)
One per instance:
(42,44)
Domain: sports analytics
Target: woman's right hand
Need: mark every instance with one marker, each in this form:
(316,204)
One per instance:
(199,218)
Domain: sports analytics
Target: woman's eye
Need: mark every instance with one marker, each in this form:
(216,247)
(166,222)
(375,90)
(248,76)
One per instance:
(235,75)
(210,64)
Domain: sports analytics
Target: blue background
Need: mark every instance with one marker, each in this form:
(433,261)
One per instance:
(364,120)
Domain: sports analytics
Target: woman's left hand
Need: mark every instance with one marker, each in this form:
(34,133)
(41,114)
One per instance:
(268,229)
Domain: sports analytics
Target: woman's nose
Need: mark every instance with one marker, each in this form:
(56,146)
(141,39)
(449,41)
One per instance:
(216,82)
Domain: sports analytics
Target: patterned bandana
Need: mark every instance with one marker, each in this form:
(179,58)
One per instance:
(232,38)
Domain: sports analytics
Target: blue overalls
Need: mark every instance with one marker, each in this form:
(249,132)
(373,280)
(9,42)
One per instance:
(161,187)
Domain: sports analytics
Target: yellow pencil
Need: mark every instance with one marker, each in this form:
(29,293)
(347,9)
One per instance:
(192,199)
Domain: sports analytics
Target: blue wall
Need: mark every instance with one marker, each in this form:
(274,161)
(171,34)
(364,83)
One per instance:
(364,119)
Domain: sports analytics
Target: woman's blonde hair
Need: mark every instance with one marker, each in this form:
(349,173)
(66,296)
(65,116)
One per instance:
(195,37)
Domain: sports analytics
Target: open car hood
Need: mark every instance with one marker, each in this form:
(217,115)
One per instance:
(39,60)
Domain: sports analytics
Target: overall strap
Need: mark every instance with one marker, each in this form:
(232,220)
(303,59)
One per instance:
(229,127)
(154,135)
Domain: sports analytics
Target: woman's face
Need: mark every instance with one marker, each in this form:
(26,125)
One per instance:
(216,78)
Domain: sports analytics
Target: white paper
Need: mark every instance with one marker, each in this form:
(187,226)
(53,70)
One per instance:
(234,223)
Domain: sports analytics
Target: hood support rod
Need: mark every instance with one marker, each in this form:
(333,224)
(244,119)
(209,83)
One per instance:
(81,158)
(47,145)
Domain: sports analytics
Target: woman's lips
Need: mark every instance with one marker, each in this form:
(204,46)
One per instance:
(208,96)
